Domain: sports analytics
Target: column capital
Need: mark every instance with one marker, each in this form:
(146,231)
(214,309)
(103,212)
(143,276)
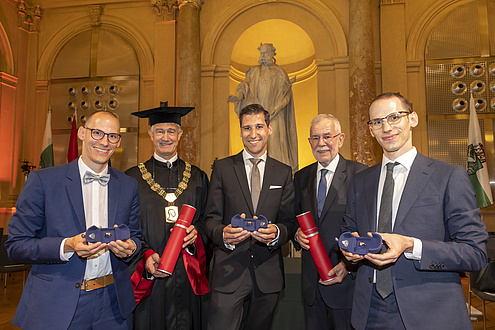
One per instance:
(193,2)
(28,18)
(165,9)
(391,2)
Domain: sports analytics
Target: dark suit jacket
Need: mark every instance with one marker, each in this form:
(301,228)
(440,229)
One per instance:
(229,195)
(332,218)
(438,206)
(49,209)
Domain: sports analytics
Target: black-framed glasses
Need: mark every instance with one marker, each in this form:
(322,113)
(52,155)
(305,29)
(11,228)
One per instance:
(99,134)
(392,119)
(327,137)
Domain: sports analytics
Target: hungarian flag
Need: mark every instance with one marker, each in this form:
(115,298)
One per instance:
(476,160)
(46,158)
(73,153)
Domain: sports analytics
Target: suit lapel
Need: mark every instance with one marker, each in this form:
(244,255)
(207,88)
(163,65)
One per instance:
(417,179)
(371,189)
(240,172)
(270,172)
(309,190)
(74,191)
(113,197)
(337,182)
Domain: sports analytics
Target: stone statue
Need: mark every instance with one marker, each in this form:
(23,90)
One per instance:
(269,85)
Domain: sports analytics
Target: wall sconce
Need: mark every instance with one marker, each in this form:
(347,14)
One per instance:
(98,104)
(478,86)
(492,103)
(85,91)
(492,86)
(459,105)
(457,71)
(84,105)
(71,106)
(114,89)
(476,70)
(491,69)
(458,88)
(99,90)
(114,104)
(72,91)
(480,104)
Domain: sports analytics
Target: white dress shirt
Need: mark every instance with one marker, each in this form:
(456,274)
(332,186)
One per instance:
(95,200)
(400,174)
(329,175)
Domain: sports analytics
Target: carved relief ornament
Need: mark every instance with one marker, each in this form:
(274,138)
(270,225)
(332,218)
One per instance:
(28,18)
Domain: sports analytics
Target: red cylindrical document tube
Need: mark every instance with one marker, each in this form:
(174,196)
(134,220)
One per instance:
(176,239)
(316,247)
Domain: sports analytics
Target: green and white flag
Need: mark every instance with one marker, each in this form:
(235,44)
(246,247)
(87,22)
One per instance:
(46,158)
(476,161)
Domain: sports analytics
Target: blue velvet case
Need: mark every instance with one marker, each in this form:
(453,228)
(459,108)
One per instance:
(107,235)
(360,245)
(249,224)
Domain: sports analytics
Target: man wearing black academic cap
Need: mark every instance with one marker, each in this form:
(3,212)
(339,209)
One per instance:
(165,184)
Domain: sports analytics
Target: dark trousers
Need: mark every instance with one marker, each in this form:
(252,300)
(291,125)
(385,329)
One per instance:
(321,317)
(247,307)
(99,309)
(384,314)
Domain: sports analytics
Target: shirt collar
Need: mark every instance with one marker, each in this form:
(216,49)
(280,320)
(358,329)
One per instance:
(332,166)
(83,168)
(406,160)
(246,156)
(163,160)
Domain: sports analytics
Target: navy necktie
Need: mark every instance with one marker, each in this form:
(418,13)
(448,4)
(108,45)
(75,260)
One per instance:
(90,177)
(384,284)
(322,191)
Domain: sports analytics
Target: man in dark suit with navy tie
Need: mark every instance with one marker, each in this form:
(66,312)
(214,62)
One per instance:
(248,271)
(426,212)
(73,284)
(322,189)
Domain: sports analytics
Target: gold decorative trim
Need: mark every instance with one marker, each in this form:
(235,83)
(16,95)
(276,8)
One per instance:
(391,2)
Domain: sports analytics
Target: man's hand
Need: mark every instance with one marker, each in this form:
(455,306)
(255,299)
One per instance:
(151,265)
(265,235)
(350,256)
(397,244)
(302,239)
(340,271)
(79,245)
(234,236)
(122,249)
(192,233)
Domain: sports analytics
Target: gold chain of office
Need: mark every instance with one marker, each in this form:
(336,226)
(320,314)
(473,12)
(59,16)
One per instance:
(155,186)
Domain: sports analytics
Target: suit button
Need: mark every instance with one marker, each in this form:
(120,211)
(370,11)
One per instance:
(369,279)
(78,285)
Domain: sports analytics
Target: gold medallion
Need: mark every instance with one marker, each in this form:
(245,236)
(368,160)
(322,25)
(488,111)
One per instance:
(171,213)
(170,197)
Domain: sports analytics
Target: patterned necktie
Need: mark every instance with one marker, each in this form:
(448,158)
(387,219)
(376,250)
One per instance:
(384,284)
(322,191)
(255,182)
(90,177)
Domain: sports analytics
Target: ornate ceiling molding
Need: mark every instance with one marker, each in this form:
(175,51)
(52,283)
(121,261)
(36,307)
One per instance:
(28,18)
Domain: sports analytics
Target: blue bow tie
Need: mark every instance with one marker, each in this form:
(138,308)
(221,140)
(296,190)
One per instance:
(90,177)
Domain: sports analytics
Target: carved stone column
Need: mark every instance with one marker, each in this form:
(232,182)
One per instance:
(362,84)
(189,78)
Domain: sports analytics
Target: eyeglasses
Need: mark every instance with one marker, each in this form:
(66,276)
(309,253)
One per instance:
(99,134)
(391,119)
(327,137)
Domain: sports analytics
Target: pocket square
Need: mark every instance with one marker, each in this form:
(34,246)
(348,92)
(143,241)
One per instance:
(275,187)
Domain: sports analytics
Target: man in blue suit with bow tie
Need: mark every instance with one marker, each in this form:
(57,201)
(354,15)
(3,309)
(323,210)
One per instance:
(73,284)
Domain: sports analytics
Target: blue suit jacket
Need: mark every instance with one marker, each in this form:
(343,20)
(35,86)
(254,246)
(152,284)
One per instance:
(438,206)
(49,209)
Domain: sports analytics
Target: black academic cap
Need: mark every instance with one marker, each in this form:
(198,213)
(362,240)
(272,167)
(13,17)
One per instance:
(163,114)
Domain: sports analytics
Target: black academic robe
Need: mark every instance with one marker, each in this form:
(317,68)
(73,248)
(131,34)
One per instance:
(172,303)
